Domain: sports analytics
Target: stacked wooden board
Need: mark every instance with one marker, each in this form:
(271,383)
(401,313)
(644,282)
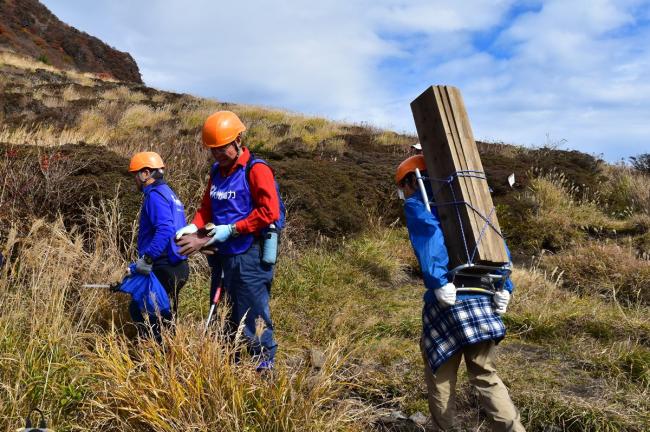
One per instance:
(449,148)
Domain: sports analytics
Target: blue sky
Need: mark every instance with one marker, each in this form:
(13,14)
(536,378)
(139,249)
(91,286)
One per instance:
(574,73)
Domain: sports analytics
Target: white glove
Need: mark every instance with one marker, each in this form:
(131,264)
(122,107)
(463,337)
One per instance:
(501,300)
(189,229)
(446,294)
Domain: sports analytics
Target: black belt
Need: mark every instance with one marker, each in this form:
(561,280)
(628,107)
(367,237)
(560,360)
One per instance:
(483,282)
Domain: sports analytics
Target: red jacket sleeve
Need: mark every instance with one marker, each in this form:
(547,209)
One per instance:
(204,213)
(266,203)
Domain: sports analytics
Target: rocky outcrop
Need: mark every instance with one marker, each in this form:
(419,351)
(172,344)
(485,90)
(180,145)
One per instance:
(27,27)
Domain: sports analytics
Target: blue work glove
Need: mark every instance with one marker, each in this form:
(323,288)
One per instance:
(220,234)
(144,265)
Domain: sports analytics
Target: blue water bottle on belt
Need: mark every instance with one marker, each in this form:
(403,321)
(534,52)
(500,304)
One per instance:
(270,245)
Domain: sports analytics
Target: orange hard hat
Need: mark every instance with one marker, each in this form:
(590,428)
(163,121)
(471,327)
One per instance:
(409,165)
(221,128)
(145,160)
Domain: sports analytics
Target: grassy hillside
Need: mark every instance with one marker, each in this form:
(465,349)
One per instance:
(347,297)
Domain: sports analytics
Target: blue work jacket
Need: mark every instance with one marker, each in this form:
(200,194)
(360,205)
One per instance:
(162,214)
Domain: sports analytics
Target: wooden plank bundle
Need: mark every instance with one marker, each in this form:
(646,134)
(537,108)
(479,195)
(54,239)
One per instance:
(450,152)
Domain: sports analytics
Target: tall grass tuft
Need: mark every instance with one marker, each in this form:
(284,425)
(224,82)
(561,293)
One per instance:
(626,192)
(123,93)
(193,383)
(40,365)
(555,214)
(606,270)
(93,126)
(142,116)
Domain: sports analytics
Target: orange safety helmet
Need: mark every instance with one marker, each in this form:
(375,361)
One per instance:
(409,165)
(221,128)
(145,160)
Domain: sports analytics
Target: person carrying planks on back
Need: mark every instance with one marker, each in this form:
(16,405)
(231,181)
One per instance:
(455,325)
(242,211)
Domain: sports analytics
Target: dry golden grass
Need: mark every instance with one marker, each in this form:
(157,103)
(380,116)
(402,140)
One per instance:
(12,59)
(363,311)
(70,94)
(589,364)
(606,270)
(194,383)
(193,112)
(546,305)
(627,191)
(123,93)
(23,62)
(555,215)
(53,102)
(38,327)
(141,116)
(336,145)
(46,136)
(64,350)
(506,151)
(49,98)
(556,196)
(158,98)
(93,126)
(268,127)
(389,138)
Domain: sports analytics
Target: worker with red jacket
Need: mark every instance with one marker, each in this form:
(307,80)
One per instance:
(242,202)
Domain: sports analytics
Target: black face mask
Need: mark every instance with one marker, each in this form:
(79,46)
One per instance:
(139,183)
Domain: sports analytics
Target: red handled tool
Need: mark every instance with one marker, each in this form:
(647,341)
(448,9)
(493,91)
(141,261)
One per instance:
(215,302)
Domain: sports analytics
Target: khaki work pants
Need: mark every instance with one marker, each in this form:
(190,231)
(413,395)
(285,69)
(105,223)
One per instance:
(494,397)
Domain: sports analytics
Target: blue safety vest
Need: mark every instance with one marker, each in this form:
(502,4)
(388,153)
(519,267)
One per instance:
(231,201)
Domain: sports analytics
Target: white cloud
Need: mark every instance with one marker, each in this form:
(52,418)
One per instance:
(574,69)
(438,16)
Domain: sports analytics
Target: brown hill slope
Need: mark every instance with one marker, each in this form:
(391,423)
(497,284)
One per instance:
(335,176)
(28,27)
